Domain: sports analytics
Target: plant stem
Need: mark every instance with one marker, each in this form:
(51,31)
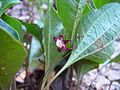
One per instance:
(46,64)
(31,11)
(110,85)
(63,68)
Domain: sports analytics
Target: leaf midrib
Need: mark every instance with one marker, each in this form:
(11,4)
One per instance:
(49,18)
(97,49)
(76,21)
(99,36)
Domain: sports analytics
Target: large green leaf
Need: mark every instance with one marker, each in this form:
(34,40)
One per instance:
(9,29)
(5,4)
(53,27)
(100,35)
(11,58)
(70,12)
(104,54)
(14,23)
(103,31)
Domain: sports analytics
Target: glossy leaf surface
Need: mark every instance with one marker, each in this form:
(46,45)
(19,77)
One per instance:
(8,28)
(11,58)
(14,23)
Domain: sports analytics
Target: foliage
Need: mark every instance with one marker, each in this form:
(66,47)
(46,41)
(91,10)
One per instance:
(11,56)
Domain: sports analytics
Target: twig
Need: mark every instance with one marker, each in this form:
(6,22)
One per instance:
(110,85)
(31,12)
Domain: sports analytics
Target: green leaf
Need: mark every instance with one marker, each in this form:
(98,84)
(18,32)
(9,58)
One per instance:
(84,66)
(116,59)
(86,9)
(34,30)
(5,4)
(36,48)
(53,27)
(8,28)
(14,23)
(104,54)
(70,12)
(101,33)
(11,58)
(100,3)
